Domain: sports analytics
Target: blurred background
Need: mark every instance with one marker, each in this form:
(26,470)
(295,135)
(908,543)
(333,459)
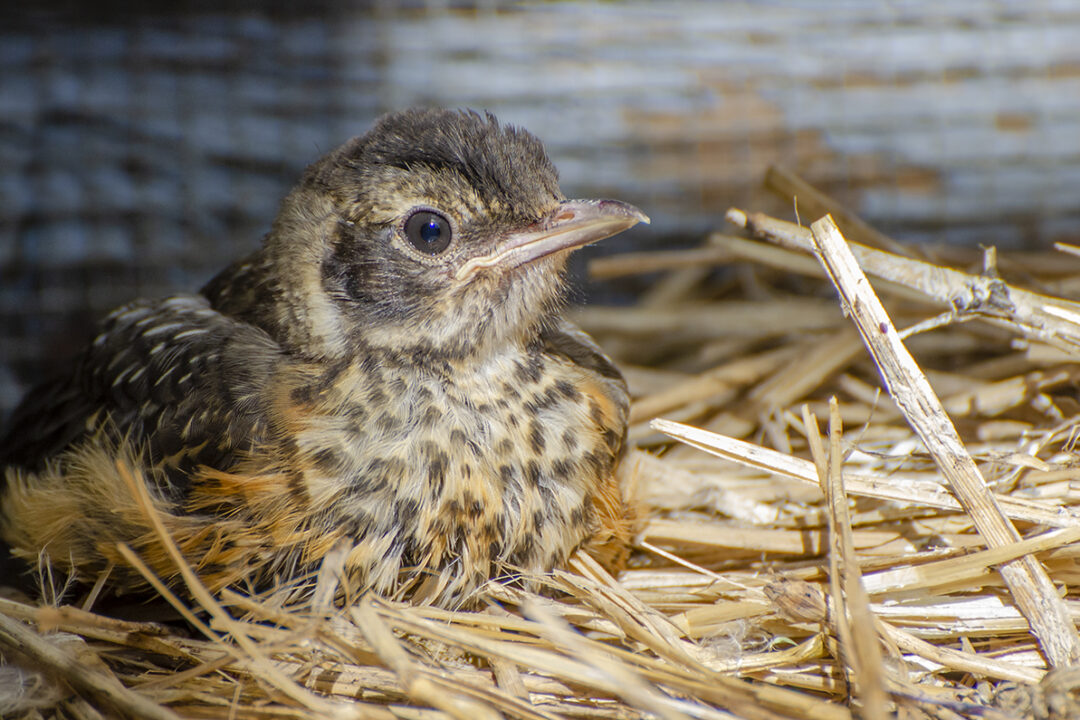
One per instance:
(142,150)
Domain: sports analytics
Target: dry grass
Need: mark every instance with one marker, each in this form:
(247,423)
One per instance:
(815,546)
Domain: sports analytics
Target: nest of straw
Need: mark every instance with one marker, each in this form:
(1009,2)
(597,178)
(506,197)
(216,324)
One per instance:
(860,503)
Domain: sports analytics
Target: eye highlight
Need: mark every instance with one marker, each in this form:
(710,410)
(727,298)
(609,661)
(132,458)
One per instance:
(428,231)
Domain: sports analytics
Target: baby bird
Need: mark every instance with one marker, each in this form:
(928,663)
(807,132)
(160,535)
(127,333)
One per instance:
(390,371)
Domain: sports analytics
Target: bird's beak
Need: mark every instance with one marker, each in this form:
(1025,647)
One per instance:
(573,224)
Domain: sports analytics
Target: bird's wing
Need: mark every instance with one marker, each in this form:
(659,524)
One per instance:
(174,375)
(571,342)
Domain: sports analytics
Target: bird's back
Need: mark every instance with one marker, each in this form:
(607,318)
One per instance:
(179,379)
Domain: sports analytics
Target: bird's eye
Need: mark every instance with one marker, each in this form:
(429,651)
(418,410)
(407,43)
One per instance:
(428,231)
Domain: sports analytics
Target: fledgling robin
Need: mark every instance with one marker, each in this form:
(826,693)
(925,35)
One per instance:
(390,370)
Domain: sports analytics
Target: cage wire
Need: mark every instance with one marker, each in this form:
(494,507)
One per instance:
(140,152)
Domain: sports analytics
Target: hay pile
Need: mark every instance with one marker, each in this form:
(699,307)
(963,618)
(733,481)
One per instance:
(813,547)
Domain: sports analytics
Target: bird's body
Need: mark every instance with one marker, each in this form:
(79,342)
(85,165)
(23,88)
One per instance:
(389,373)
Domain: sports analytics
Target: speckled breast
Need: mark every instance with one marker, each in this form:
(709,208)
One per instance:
(469,470)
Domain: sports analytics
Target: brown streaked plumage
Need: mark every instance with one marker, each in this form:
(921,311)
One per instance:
(390,370)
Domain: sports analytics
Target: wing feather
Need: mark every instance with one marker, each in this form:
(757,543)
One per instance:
(174,375)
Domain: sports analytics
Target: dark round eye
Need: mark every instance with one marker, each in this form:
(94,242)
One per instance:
(428,231)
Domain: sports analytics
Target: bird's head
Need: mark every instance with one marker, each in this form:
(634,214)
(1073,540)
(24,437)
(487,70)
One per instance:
(437,231)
